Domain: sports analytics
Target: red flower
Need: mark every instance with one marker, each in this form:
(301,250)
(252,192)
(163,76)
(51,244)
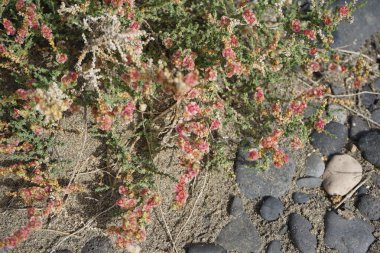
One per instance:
(327,20)
(313,51)
(128,110)
(309,33)
(203,146)
(249,17)
(3,49)
(297,107)
(234,40)
(254,154)
(20,4)
(344,10)
(295,25)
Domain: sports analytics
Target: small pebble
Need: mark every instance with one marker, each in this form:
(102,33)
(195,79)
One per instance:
(309,182)
(300,197)
(271,208)
(274,247)
(314,165)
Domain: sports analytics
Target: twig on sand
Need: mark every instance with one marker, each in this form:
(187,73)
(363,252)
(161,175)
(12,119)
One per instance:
(167,229)
(57,231)
(88,223)
(361,115)
(349,195)
(352,94)
(193,208)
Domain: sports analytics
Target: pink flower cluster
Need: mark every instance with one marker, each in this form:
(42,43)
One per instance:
(137,205)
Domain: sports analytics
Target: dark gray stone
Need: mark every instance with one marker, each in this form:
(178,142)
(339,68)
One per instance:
(236,207)
(274,247)
(366,23)
(205,248)
(375,115)
(255,183)
(271,208)
(369,145)
(369,206)
(338,113)
(300,197)
(300,233)
(368,100)
(358,127)
(309,182)
(332,140)
(314,166)
(99,244)
(347,236)
(240,235)
(337,89)
(376,84)
(376,179)
(362,190)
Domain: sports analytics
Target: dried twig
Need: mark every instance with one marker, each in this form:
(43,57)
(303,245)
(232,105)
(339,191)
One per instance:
(354,53)
(352,94)
(88,223)
(193,208)
(361,115)
(349,195)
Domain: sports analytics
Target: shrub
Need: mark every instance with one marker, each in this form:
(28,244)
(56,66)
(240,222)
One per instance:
(206,63)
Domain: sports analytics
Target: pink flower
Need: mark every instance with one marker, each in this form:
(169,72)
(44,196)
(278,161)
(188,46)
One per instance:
(3,49)
(254,154)
(46,32)
(259,95)
(234,40)
(168,42)
(229,54)
(203,146)
(319,125)
(314,66)
(344,10)
(215,124)
(211,74)
(192,108)
(191,79)
(225,21)
(234,68)
(249,17)
(188,62)
(280,158)
(128,110)
(295,25)
(104,122)
(20,4)
(9,27)
(296,143)
(61,58)
(297,107)
(135,25)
